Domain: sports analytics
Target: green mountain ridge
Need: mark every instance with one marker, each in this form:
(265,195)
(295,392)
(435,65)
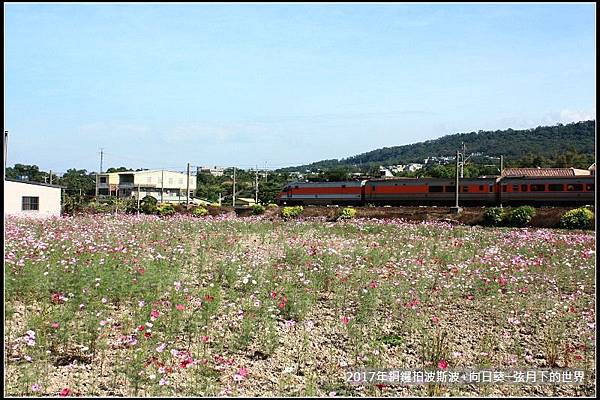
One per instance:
(546,144)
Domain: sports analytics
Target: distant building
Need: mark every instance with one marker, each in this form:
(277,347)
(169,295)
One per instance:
(165,186)
(545,172)
(244,202)
(412,167)
(592,169)
(385,173)
(32,199)
(214,171)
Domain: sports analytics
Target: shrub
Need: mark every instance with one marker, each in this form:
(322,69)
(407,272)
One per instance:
(291,212)
(165,209)
(272,205)
(493,216)
(130,205)
(199,211)
(520,216)
(348,213)
(258,209)
(578,218)
(148,205)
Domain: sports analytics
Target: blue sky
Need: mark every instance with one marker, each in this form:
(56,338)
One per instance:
(160,85)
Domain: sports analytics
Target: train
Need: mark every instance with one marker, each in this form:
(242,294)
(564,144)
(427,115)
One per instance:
(523,190)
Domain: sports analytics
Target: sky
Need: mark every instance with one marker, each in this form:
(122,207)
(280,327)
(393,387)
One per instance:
(275,85)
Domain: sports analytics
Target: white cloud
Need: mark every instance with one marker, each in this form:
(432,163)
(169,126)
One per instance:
(567,115)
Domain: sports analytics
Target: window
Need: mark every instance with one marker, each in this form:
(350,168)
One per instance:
(481,188)
(491,188)
(504,188)
(465,189)
(343,186)
(575,188)
(589,187)
(523,188)
(436,189)
(102,179)
(538,188)
(556,187)
(515,188)
(450,189)
(296,187)
(30,203)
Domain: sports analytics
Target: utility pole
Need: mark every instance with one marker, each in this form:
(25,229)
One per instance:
(462,164)
(187,191)
(5,144)
(98,176)
(233,204)
(162,184)
(51,177)
(219,199)
(456,208)
(501,164)
(256,185)
(138,200)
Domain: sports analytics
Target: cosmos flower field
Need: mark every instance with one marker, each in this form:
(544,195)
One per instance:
(117,305)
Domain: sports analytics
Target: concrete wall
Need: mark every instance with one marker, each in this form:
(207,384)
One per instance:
(49,199)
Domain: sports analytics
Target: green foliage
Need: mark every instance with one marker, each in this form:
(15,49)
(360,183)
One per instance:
(493,216)
(291,212)
(258,209)
(148,205)
(76,180)
(348,213)
(520,216)
(578,218)
(165,209)
(129,205)
(199,211)
(272,206)
(73,203)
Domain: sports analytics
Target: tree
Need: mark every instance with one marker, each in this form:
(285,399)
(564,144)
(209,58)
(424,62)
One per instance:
(79,180)
(120,169)
(27,172)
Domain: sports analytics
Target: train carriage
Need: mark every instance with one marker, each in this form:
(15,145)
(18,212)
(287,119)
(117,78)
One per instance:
(322,193)
(547,190)
(426,191)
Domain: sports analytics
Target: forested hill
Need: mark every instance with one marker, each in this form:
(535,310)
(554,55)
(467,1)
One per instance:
(544,143)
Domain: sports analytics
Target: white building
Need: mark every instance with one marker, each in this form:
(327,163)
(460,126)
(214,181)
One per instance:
(165,186)
(412,167)
(31,199)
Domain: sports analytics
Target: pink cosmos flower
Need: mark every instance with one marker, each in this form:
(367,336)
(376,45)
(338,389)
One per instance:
(180,307)
(241,375)
(55,325)
(65,392)
(373,284)
(345,320)
(35,387)
(154,314)
(443,364)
